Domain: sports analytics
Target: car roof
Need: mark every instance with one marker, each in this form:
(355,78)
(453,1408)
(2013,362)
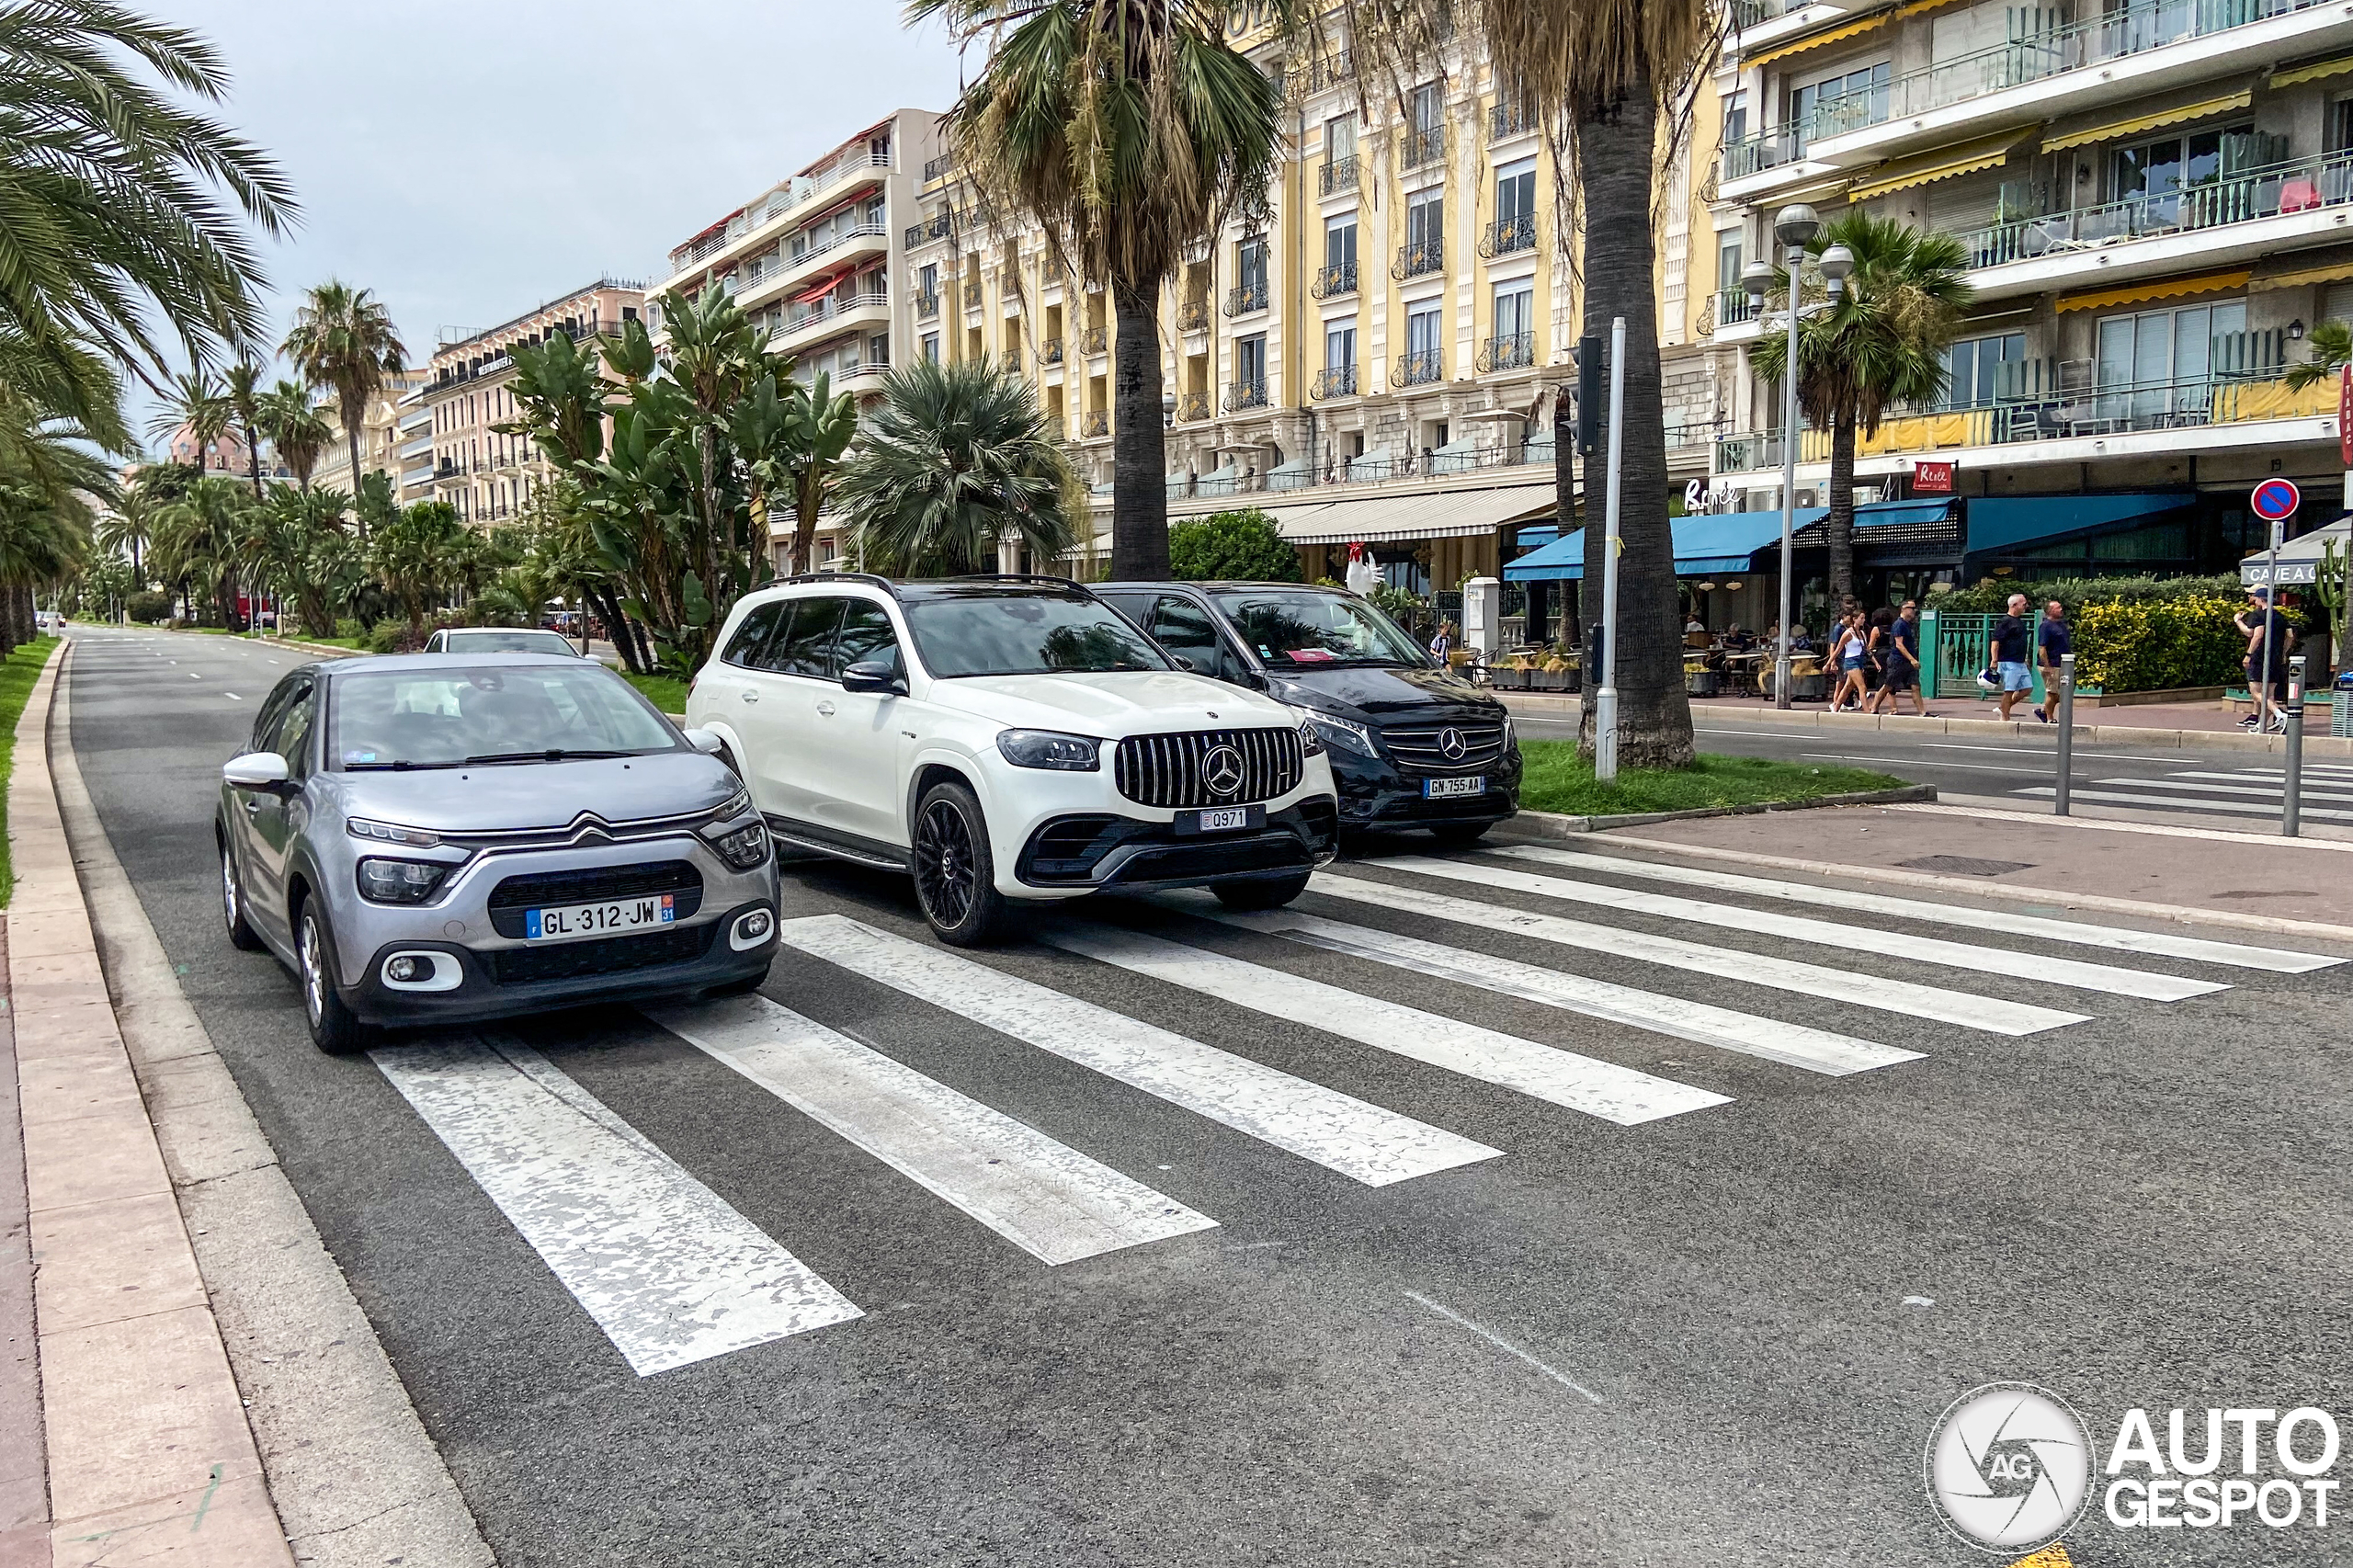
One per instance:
(922,588)
(339,667)
(499,631)
(1224,583)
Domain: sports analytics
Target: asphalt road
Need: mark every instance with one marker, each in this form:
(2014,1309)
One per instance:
(1716,1337)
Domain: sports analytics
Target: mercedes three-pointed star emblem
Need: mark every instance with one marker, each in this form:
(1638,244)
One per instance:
(1450,742)
(1221,769)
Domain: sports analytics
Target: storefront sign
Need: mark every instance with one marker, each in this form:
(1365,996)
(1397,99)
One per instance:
(1932,478)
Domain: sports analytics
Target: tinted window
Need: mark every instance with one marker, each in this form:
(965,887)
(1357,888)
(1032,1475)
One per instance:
(998,633)
(266,723)
(806,646)
(446,718)
(865,636)
(1185,629)
(502,640)
(293,738)
(751,637)
(1302,627)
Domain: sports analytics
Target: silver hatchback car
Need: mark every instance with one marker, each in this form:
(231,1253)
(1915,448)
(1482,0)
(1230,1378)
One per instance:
(433,838)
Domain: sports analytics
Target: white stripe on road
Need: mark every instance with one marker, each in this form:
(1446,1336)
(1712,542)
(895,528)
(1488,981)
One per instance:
(1337,1131)
(2235,954)
(1043,1197)
(1816,1050)
(1931,762)
(1925,949)
(1911,998)
(667,1269)
(2271,792)
(2189,803)
(232,697)
(1622,1095)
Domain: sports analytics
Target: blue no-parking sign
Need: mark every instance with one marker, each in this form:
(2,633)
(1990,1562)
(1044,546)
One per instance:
(2276,500)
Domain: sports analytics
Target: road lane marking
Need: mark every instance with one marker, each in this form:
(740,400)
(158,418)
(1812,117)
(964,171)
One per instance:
(1927,762)
(2142,983)
(670,1271)
(1625,1096)
(2271,789)
(2190,803)
(1505,1346)
(1338,1131)
(2125,939)
(1910,998)
(1795,1045)
(232,697)
(1043,1197)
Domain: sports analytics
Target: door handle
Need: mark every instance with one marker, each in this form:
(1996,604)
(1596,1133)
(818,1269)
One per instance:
(750,696)
(252,806)
(826,708)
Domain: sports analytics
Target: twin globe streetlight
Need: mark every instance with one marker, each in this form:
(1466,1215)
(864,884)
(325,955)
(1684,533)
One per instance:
(1796,227)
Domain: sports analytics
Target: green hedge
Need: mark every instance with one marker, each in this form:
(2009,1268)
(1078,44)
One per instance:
(1990,595)
(2135,634)
(1243,546)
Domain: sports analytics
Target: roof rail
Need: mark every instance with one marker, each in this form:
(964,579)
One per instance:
(1018,577)
(883,583)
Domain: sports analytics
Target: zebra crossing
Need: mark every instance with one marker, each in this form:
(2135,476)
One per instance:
(2326,794)
(672,1273)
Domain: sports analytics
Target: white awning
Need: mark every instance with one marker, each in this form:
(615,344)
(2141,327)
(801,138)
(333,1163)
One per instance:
(1447,513)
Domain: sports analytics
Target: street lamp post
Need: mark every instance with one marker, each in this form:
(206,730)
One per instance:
(1795,227)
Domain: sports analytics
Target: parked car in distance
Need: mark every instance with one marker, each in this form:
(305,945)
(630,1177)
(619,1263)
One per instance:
(1007,740)
(500,640)
(441,838)
(1412,743)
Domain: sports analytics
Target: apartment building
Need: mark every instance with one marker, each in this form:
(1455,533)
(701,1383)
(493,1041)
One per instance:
(2156,200)
(486,475)
(1372,362)
(379,436)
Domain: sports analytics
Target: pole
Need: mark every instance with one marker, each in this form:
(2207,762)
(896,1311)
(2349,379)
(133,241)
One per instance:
(2066,732)
(1789,485)
(2263,642)
(1604,701)
(2292,802)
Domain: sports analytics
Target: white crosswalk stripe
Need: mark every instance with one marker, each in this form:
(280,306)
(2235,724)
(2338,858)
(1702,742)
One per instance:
(2207,803)
(2203,784)
(667,1269)
(1048,1199)
(2167,943)
(1622,1095)
(1923,950)
(1990,1013)
(1337,1131)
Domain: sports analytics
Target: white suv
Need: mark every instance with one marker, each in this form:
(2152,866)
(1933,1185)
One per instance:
(1005,739)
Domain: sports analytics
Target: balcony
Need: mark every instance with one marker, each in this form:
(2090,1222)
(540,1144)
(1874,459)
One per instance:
(1332,70)
(1095,421)
(1421,145)
(1333,281)
(1509,351)
(1050,351)
(1192,407)
(1338,175)
(413,478)
(790,272)
(1733,306)
(1506,121)
(1334,380)
(1417,258)
(869,307)
(927,306)
(1240,395)
(972,294)
(1093,340)
(1193,315)
(939,167)
(939,226)
(1508,236)
(1246,298)
(800,192)
(1420,368)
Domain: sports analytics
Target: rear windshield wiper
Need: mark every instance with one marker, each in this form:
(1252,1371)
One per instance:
(551,754)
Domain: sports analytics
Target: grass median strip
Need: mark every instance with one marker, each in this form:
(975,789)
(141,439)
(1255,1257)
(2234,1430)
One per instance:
(1557,779)
(666,692)
(17,674)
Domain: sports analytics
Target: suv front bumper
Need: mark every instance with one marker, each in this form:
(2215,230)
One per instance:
(1086,851)
(1376,794)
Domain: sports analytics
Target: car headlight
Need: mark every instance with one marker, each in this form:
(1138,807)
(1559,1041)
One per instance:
(1048,748)
(737,805)
(389,832)
(1511,734)
(1343,735)
(745,847)
(399,881)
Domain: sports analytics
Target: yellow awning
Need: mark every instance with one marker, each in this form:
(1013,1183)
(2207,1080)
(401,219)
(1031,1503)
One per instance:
(2199,110)
(1891,178)
(2334,272)
(1835,35)
(2295,75)
(2157,288)
(1921,7)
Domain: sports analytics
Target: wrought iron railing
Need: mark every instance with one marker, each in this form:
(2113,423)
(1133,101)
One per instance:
(1508,236)
(1193,315)
(1050,351)
(1097,421)
(1509,118)
(1093,340)
(934,168)
(1334,380)
(1508,351)
(1240,395)
(1418,258)
(1420,144)
(1243,299)
(1192,405)
(1333,281)
(1420,366)
(1337,174)
(971,292)
(927,306)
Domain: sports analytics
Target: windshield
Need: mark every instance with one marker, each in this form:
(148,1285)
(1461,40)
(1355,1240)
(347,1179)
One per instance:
(508,641)
(1299,629)
(1025,634)
(447,718)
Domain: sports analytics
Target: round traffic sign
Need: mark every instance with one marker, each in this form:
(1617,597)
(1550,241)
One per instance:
(2276,500)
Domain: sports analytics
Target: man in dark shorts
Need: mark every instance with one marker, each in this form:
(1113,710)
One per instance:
(2267,643)
(1902,665)
(2052,641)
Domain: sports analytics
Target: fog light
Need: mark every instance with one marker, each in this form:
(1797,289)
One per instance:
(400,968)
(750,929)
(756,924)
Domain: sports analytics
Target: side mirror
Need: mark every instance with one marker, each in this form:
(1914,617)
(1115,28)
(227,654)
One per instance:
(874,675)
(263,770)
(1183,662)
(706,741)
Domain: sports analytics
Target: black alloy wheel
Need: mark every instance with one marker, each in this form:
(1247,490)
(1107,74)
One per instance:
(955,874)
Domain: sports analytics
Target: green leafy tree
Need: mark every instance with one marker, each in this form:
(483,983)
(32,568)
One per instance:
(48,478)
(1243,546)
(343,339)
(956,462)
(1125,131)
(242,387)
(416,556)
(288,415)
(819,425)
(196,402)
(201,540)
(2331,347)
(301,552)
(125,526)
(1882,344)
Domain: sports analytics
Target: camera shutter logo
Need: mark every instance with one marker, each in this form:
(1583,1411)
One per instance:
(2008,1467)
(1221,769)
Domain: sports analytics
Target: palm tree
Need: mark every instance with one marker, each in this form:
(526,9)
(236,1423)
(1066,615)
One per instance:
(342,340)
(290,419)
(818,428)
(416,556)
(125,528)
(201,537)
(1125,131)
(49,477)
(194,401)
(2332,349)
(241,388)
(115,198)
(1882,344)
(957,460)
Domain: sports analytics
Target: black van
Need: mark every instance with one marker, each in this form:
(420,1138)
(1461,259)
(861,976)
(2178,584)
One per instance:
(1412,745)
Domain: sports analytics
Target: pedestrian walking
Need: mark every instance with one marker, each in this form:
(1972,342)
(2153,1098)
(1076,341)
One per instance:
(2052,643)
(2268,642)
(1903,661)
(1847,656)
(1443,644)
(2010,640)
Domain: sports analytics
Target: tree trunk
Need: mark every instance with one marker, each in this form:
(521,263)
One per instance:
(351,418)
(1842,508)
(1139,465)
(1565,493)
(1617,151)
(253,460)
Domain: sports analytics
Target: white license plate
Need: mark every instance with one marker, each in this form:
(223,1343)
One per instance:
(569,922)
(1221,822)
(1448,789)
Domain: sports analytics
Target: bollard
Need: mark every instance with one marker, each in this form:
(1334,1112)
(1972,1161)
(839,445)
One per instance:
(2066,706)
(2291,804)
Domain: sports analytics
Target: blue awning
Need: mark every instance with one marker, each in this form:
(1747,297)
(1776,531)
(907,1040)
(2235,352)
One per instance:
(1723,541)
(1997,522)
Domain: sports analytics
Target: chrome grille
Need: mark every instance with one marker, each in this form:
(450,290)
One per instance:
(1424,745)
(1166,770)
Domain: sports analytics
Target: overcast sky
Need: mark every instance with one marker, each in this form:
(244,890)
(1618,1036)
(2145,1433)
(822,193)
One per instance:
(469,159)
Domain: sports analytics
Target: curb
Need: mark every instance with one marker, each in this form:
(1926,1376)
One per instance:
(2097,734)
(1556,824)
